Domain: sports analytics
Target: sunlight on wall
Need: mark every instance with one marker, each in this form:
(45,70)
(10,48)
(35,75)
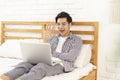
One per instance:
(117,43)
(114,30)
(112,42)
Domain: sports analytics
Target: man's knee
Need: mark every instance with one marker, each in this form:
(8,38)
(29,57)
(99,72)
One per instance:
(39,66)
(42,65)
(27,66)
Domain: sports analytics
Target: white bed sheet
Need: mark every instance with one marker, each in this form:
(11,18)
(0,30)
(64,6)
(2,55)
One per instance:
(7,64)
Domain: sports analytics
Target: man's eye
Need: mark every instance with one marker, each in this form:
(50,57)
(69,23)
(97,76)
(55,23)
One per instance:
(64,24)
(58,24)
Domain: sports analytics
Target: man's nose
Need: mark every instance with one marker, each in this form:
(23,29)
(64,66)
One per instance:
(61,26)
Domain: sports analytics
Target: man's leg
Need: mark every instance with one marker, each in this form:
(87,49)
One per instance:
(19,70)
(41,70)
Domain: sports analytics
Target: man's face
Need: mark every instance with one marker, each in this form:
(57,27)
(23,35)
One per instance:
(63,27)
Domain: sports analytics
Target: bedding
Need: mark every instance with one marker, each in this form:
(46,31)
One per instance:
(9,63)
(9,58)
(11,48)
(84,56)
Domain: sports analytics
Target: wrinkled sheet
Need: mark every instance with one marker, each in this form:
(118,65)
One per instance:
(7,64)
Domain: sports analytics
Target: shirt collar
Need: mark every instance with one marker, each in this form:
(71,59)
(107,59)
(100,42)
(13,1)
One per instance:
(70,35)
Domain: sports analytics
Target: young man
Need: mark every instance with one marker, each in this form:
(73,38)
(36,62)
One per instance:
(65,46)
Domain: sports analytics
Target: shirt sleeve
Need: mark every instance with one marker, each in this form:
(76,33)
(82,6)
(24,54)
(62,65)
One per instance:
(55,54)
(73,53)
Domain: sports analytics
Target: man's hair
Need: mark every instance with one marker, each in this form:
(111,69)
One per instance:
(64,15)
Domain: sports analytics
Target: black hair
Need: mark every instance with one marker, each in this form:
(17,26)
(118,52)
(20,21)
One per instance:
(64,15)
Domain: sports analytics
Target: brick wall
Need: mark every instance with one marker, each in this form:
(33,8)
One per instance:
(47,9)
(37,9)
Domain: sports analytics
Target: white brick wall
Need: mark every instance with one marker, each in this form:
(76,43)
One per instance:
(36,9)
(47,9)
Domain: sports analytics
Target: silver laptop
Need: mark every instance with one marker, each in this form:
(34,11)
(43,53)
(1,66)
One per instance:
(37,53)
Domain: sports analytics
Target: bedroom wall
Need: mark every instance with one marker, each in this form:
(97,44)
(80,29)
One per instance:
(80,10)
(109,51)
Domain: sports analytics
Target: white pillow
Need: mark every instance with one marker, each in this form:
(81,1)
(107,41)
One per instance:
(11,48)
(84,56)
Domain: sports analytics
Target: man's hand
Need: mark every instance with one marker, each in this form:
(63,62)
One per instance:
(49,32)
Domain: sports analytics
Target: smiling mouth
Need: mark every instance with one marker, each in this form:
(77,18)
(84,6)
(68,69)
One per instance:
(61,31)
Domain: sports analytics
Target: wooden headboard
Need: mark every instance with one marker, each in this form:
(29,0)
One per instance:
(94,33)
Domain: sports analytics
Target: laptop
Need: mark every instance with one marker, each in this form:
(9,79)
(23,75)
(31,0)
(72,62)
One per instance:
(38,53)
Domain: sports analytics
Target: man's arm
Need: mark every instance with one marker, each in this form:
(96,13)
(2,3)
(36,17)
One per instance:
(72,54)
(48,34)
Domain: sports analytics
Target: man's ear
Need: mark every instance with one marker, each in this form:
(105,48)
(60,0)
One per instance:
(70,24)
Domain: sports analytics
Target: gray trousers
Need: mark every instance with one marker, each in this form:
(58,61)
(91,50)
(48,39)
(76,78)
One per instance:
(27,71)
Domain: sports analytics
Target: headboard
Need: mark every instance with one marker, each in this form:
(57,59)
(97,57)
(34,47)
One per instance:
(94,32)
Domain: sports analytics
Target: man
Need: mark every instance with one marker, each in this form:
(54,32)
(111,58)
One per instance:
(65,46)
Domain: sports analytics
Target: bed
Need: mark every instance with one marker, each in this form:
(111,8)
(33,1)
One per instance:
(11,31)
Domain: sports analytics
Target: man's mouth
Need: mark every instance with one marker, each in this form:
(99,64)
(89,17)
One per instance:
(61,31)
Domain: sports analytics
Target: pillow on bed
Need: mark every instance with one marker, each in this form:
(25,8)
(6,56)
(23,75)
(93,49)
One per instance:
(84,56)
(11,48)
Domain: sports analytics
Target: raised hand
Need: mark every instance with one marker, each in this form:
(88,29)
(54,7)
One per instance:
(49,32)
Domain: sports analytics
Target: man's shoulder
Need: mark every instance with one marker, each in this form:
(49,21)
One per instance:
(54,38)
(76,37)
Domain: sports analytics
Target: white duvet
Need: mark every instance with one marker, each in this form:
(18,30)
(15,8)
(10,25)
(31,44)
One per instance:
(7,64)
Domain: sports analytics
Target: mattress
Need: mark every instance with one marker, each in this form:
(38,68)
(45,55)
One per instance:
(9,63)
